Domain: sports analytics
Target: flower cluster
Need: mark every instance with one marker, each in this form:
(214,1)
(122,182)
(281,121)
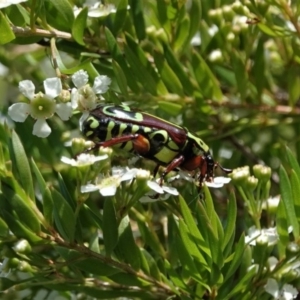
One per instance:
(42,106)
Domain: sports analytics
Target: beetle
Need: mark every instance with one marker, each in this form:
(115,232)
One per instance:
(146,135)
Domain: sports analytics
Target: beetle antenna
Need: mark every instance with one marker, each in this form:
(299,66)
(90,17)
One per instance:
(225,170)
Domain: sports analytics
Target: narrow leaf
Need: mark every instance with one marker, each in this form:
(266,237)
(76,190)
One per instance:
(63,216)
(136,9)
(293,162)
(287,198)
(22,165)
(231,220)
(79,26)
(110,226)
(121,15)
(6,34)
(236,261)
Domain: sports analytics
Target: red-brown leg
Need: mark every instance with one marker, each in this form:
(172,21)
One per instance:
(140,146)
(176,162)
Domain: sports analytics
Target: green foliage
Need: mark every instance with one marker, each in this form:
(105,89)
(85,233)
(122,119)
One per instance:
(228,71)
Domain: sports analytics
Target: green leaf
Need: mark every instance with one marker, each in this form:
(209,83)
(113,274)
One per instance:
(193,229)
(236,261)
(22,165)
(287,198)
(120,77)
(110,226)
(129,279)
(174,276)
(79,26)
(190,245)
(24,208)
(4,230)
(117,55)
(90,265)
(64,216)
(266,29)
(19,229)
(293,162)
(6,283)
(136,9)
(151,238)
(229,231)
(177,67)
(65,11)
(6,34)
(243,284)
(168,76)
(173,109)
(153,268)
(282,229)
(46,194)
(240,74)
(195,18)
(127,247)
(259,67)
(295,184)
(138,68)
(206,79)
(121,15)
(181,36)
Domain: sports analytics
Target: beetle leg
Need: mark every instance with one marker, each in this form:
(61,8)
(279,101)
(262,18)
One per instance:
(140,143)
(176,162)
(225,170)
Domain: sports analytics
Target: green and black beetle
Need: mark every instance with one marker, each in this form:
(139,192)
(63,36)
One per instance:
(153,138)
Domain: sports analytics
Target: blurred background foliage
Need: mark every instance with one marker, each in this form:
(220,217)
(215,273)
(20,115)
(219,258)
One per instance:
(226,70)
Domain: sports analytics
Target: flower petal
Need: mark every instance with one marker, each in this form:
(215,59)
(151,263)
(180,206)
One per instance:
(19,111)
(155,187)
(108,191)
(101,84)
(89,188)
(170,190)
(85,114)
(272,287)
(52,87)
(64,110)
(80,78)
(27,88)
(41,128)
(74,98)
(6,3)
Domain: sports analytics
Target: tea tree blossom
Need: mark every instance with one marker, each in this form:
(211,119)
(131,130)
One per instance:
(285,292)
(84,159)
(84,97)
(107,186)
(41,106)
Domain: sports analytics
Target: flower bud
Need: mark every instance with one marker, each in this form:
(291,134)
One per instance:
(239,176)
(23,247)
(64,96)
(251,183)
(261,172)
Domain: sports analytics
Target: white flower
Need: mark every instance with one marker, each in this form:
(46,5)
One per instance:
(83,159)
(97,10)
(6,3)
(286,292)
(107,186)
(164,192)
(269,235)
(84,97)
(218,182)
(41,106)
